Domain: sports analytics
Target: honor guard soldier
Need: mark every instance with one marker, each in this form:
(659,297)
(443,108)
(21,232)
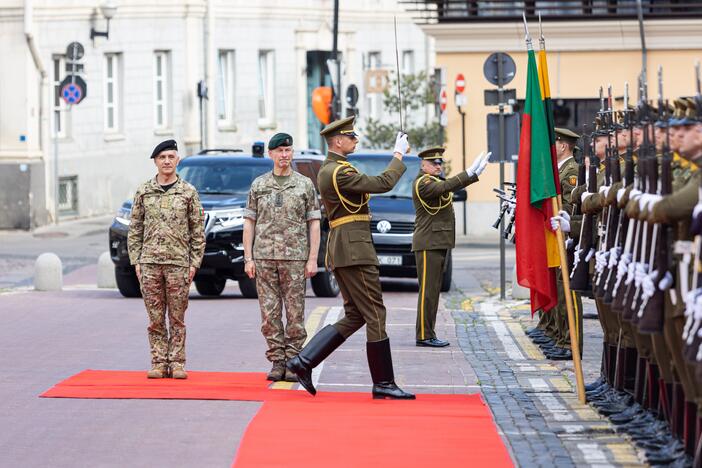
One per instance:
(435,233)
(166,243)
(351,255)
(281,242)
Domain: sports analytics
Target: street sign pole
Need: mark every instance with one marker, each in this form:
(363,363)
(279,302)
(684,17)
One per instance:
(501,109)
(460,100)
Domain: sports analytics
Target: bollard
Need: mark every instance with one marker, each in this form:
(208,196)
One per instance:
(106,271)
(518,292)
(48,273)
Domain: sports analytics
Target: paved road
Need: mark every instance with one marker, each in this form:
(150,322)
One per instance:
(46,337)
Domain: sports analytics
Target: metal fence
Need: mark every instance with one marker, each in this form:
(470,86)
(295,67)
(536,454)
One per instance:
(463,11)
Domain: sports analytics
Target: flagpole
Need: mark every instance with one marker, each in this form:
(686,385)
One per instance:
(565,275)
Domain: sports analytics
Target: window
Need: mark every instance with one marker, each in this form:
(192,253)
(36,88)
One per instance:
(162,90)
(58,120)
(266,88)
(375,100)
(225,88)
(68,195)
(407,62)
(112,93)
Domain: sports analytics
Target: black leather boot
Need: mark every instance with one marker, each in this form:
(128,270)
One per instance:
(380,364)
(631,356)
(316,351)
(640,381)
(678,410)
(690,428)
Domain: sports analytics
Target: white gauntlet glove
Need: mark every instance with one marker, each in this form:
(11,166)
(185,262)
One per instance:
(479,164)
(401,144)
(564,219)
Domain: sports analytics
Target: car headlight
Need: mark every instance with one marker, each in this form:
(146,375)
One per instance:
(123,216)
(229,218)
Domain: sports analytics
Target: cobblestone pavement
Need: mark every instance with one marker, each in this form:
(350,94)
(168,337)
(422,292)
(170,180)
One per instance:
(533,399)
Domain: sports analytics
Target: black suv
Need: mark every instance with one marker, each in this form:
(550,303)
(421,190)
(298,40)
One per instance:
(222,179)
(392,217)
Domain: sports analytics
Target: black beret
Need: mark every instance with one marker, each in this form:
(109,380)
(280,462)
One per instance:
(164,146)
(280,139)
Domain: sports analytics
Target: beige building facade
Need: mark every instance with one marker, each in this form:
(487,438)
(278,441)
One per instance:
(582,56)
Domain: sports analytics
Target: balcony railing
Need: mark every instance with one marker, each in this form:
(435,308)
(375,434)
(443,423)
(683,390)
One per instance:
(464,11)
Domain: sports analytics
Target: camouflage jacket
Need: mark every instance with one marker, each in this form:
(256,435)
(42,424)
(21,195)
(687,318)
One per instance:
(281,215)
(166,227)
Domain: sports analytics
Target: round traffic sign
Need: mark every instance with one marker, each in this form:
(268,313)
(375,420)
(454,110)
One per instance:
(499,68)
(443,99)
(351,95)
(73,89)
(460,83)
(74,51)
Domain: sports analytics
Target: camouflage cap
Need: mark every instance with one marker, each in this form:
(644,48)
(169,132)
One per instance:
(280,139)
(340,127)
(164,146)
(434,154)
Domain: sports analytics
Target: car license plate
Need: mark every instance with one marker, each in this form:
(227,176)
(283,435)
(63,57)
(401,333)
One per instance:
(390,259)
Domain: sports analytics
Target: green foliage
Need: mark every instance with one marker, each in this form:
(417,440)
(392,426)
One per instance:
(417,92)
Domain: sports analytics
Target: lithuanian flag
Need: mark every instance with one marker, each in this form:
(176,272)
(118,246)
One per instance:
(554,258)
(535,184)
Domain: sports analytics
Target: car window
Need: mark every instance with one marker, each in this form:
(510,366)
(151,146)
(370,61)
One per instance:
(376,165)
(222,179)
(305,168)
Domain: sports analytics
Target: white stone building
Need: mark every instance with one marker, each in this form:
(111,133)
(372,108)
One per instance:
(260,60)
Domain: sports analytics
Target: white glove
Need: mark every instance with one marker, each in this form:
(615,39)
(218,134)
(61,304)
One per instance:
(401,144)
(584,196)
(564,214)
(565,225)
(479,164)
(620,194)
(652,199)
(697,210)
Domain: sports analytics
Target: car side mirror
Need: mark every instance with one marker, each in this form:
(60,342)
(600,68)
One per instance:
(460,195)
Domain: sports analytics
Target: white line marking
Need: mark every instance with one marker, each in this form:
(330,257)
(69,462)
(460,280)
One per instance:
(593,454)
(330,319)
(489,311)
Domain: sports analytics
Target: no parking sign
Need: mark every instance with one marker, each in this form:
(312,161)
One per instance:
(73,89)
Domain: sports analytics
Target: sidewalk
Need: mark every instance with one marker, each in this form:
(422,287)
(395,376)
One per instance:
(533,399)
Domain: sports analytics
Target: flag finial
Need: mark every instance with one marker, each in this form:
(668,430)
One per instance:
(527,37)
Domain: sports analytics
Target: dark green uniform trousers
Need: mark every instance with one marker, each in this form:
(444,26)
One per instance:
(560,313)
(363,301)
(430,265)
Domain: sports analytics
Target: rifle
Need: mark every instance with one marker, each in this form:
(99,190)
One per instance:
(621,254)
(602,255)
(641,264)
(580,275)
(660,278)
(577,213)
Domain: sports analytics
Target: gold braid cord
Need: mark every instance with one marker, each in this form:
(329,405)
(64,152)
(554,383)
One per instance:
(444,200)
(345,202)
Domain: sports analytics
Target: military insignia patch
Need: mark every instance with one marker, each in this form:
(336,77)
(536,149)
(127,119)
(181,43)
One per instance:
(573,180)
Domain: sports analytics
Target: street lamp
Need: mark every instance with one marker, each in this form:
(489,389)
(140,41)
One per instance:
(108,8)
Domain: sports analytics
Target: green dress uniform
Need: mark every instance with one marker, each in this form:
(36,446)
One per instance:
(351,255)
(434,234)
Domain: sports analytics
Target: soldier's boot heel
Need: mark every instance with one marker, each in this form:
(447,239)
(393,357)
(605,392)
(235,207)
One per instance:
(316,351)
(382,373)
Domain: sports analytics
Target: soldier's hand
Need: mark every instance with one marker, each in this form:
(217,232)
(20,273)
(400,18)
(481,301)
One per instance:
(310,268)
(191,274)
(250,269)
(479,165)
(402,146)
(137,267)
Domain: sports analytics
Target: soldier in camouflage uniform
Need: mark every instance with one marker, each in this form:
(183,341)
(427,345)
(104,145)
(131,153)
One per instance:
(281,212)
(166,243)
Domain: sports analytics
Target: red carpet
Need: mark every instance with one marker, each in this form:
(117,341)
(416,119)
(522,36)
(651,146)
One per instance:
(333,429)
(243,386)
(351,430)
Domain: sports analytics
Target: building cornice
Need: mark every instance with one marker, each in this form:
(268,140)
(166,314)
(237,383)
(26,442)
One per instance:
(567,36)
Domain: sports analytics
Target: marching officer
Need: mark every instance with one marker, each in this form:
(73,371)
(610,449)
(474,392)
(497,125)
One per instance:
(166,243)
(351,255)
(435,233)
(281,242)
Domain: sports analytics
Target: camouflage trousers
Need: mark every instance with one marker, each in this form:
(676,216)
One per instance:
(165,290)
(281,282)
